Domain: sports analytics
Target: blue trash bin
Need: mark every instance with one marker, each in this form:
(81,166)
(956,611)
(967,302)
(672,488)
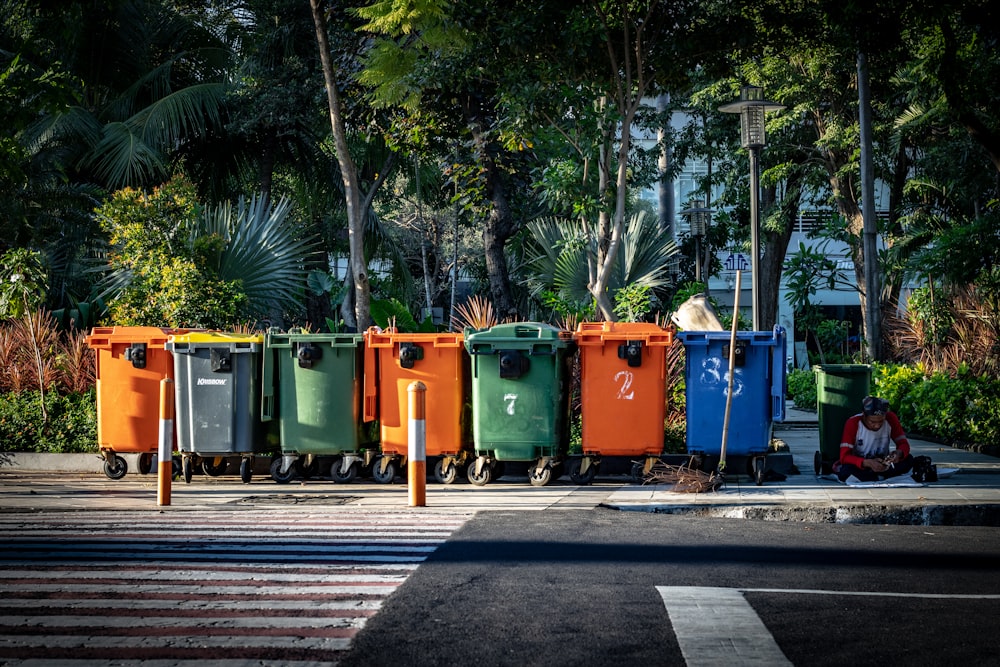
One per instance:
(759,381)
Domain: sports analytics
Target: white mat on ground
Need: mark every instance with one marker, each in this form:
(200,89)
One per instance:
(901,480)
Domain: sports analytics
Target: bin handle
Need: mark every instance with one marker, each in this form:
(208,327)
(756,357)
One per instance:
(779,375)
(370,402)
(267,386)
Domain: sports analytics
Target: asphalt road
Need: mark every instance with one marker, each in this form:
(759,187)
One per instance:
(593,588)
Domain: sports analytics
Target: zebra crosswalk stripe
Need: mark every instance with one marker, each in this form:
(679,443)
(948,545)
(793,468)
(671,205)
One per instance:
(259,586)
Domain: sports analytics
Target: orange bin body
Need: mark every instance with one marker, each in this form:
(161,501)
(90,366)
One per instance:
(393,361)
(131,361)
(622,387)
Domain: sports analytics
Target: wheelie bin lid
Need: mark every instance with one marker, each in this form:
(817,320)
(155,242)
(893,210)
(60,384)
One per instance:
(774,338)
(596,333)
(202,339)
(101,338)
(376,337)
(536,337)
(281,339)
(841,369)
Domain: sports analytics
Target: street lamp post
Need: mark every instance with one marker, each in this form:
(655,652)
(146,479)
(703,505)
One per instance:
(697,216)
(751,107)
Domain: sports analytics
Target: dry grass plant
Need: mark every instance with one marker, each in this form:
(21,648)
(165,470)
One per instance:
(476,313)
(36,356)
(973,340)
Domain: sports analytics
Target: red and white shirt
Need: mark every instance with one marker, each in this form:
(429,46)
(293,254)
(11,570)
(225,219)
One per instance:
(859,442)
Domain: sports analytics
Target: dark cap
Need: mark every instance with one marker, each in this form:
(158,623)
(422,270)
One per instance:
(874,406)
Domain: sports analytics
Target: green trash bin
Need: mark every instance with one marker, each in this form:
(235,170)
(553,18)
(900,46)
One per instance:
(217,405)
(519,398)
(840,388)
(313,389)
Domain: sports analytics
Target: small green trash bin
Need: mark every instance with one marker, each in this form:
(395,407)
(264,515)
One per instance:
(840,388)
(519,398)
(313,389)
(217,389)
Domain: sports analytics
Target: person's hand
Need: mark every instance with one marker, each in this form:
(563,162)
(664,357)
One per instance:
(874,465)
(892,458)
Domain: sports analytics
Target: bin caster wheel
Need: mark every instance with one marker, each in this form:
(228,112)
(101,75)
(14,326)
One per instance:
(585,478)
(343,476)
(115,467)
(818,462)
(246,469)
(175,468)
(187,469)
(214,466)
(384,472)
(281,477)
(636,473)
(445,475)
(484,476)
(145,463)
(758,470)
(540,477)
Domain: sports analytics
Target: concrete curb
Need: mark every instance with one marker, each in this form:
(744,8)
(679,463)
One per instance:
(898,514)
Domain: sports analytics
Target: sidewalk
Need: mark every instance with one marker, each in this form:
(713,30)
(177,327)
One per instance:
(970,497)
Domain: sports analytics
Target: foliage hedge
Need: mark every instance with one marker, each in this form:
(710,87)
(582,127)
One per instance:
(962,410)
(71,425)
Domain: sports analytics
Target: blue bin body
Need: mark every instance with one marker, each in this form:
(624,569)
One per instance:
(759,382)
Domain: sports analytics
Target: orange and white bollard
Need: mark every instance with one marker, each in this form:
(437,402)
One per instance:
(165,468)
(416,466)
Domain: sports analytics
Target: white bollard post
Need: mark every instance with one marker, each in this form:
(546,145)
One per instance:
(165,467)
(416,467)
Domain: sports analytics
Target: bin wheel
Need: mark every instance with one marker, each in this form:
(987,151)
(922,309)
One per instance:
(307,470)
(484,476)
(214,466)
(539,477)
(636,473)
(145,463)
(115,467)
(818,462)
(445,475)
(384,475)
(584,478)
(758,470)
(246,469)
(175,468)
(187,469)
(281,477)
(341,477)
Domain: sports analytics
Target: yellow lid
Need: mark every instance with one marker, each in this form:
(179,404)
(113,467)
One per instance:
(216,338)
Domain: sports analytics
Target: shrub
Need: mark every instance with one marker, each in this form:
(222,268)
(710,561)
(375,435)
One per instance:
(71,425)
(802,388)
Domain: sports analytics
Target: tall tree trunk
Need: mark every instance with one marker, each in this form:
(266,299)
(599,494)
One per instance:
(775,247)
(872,291)
(349,175)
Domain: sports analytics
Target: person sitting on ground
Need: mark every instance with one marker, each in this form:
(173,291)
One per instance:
(866,447)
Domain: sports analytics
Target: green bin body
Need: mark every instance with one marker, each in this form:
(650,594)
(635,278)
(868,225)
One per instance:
(519,390)
(217,389)
(313,389)
(840,388)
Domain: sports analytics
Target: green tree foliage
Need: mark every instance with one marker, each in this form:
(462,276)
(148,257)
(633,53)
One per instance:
(164,279)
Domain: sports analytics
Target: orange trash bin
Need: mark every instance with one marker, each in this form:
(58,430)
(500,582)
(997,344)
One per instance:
(392,361)
(622,390)
(131,361)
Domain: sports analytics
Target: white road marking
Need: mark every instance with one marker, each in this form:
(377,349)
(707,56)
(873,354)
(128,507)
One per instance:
(717,626)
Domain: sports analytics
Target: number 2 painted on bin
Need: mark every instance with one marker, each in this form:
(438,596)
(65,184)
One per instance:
(511,399)
(625,387)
